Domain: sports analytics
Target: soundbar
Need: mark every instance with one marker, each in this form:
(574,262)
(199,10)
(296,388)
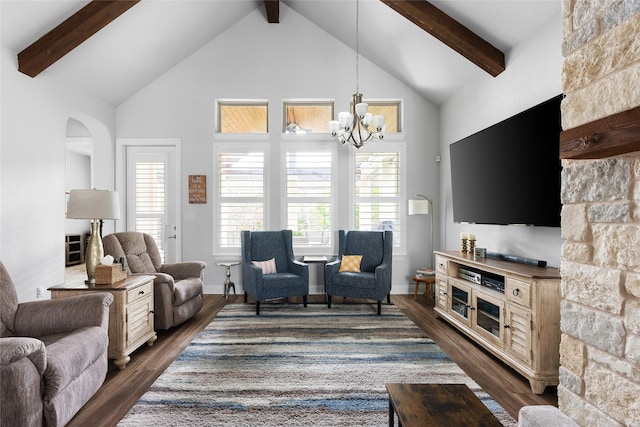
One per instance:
(518,259)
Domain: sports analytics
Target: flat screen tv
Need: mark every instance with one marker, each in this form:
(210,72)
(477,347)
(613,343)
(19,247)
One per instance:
(509,173)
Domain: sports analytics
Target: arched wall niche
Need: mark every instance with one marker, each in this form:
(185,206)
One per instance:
(86,139)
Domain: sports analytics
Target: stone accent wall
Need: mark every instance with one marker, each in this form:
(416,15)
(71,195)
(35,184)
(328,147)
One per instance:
(600,309)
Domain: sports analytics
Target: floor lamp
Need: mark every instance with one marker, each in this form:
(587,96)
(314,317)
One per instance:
(94,205)
(422,205)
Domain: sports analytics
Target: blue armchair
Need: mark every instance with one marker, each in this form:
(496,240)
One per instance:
(291,277)
(374,279)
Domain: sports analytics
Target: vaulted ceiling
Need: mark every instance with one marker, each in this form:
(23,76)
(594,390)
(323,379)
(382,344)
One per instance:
(153,35)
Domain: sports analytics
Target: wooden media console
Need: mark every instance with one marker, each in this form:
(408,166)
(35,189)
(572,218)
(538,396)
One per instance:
(519,324)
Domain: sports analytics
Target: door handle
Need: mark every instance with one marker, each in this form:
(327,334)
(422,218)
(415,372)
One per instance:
(175,236)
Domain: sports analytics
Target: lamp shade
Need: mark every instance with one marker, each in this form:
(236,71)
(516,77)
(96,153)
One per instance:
(93,204)
(418,207)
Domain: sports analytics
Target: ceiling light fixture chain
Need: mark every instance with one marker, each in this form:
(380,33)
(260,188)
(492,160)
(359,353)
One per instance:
(357,46)
(359,126)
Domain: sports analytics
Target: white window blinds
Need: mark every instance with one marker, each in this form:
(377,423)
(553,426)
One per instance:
(309,192)
(377,192)
(240,194)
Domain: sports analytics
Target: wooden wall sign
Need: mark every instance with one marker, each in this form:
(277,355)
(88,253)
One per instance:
(197,189)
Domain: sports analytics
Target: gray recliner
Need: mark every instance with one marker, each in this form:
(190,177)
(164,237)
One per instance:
(177,287)
(374,279)
(292,276)
(53,355)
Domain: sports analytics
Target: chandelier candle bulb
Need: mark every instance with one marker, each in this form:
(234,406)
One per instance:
(361,110)
(378,122)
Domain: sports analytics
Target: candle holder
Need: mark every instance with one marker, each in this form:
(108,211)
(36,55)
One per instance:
(471,244)
(463,245)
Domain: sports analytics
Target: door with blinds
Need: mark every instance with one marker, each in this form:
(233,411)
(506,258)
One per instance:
(151,196)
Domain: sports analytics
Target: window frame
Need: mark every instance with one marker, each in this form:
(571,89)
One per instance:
(304,102)
(382,147)
(239,102)
(238,147)
(287,147)
(387,102)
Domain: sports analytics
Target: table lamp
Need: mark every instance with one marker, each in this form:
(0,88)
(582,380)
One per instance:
(94,205)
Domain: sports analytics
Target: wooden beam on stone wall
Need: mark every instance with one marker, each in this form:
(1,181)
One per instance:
(273,11)
(70,34)
(610,136)
(452,33)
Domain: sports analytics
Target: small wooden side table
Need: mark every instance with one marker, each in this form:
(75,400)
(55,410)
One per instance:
(452,405)
(130,313)
(427,280)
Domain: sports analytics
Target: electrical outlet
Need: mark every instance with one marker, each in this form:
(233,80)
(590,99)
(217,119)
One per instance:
(39,292)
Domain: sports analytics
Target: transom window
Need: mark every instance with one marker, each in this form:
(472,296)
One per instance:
(242,116)
(391,112)
(306,117)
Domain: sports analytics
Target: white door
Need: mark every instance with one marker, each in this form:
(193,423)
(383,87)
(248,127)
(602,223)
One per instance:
(151,195)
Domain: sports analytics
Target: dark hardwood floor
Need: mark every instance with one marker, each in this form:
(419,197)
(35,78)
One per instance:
(123,388)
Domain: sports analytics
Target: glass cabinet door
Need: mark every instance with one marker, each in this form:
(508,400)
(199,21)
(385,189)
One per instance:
(488,316)
(460,299)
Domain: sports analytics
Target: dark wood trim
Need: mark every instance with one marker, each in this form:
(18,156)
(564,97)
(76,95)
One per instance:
(70,34)
(452,33)
(611,136)
(273,11)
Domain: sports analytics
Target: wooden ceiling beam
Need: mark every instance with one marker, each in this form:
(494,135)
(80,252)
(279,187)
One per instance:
(70,34)
(273,11)
(452,33)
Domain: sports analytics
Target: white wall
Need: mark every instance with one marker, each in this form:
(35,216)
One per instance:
(294,59)
(35,112)
(532,75)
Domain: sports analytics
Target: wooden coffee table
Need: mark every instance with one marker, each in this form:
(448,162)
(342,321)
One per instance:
(450,405)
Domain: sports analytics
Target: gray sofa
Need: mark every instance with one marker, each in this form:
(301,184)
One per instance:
(177,287)
(53,355)
(374,280)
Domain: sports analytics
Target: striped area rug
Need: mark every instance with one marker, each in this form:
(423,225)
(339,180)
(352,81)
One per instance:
(296,366)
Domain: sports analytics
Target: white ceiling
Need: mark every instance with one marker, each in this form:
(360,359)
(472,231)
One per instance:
(154,35)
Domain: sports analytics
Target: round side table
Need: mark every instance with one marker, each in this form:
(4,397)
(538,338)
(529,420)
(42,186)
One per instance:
(228,284)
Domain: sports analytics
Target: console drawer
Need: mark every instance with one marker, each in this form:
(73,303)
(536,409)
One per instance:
(442,265)
(518,291)
(139,292)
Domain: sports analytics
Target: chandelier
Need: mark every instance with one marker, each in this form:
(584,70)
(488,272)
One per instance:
(358,126)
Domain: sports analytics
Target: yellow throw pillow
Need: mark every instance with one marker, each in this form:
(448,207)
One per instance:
(350,263)
(268,266)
